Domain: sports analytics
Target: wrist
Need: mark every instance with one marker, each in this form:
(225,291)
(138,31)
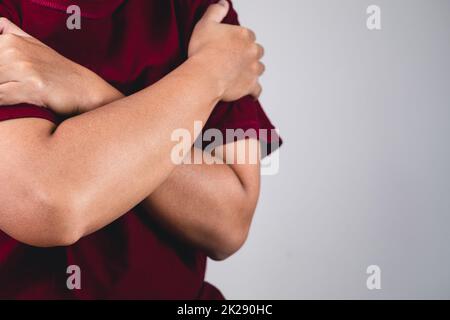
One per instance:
(98,91)
(210,71)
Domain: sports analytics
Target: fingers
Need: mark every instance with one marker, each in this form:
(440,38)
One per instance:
(261,69)
(217,12)
(260,51)
(257,91)
(251,34)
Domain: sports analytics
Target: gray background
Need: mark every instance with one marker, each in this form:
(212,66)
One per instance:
(365,169)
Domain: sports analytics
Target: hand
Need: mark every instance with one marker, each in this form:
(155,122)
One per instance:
(31,72)
(230,52)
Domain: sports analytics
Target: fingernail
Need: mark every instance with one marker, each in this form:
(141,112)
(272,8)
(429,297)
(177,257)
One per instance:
(223,3)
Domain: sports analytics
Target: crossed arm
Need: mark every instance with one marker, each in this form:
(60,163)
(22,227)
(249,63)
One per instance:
(72,176)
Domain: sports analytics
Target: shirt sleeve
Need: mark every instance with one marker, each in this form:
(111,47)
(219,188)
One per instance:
(245,114)
(7,10)
(24,110)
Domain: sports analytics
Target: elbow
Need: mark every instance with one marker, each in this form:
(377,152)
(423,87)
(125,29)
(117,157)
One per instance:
(229,242)
(61,221)
(230,238)
(65,234)
(50,220)
(235,221)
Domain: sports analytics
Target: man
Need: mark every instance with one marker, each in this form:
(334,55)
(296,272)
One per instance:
(87,177)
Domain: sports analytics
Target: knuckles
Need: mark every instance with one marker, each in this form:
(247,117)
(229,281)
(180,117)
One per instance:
(238,48)
(256,68)
(257,50)
(247,34)
(260,51)
(260,68)
(244,34)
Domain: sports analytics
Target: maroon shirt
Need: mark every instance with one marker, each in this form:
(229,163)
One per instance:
(131,44)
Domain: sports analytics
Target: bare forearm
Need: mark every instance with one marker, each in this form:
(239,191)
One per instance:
(129,140)
(102,163)
(207,206)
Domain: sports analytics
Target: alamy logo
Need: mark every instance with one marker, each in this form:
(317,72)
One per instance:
(374,19)
(74,280)
(374,280)
(74,20)
(214,139)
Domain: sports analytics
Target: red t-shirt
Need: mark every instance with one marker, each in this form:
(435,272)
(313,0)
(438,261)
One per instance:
(131,44)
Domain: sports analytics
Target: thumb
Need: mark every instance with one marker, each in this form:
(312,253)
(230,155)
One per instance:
(7,27)
(217,12)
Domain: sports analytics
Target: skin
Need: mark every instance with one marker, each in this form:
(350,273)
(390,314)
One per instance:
(73,175)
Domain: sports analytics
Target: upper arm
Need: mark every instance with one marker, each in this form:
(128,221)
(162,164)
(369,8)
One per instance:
(245,162)
(23,132)
(243,157)
(25,207)
(22,147)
